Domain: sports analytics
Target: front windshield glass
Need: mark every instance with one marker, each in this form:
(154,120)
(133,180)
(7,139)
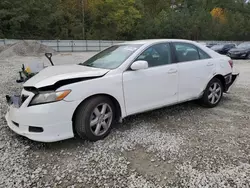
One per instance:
(244,45)
(112,57)
(218,46)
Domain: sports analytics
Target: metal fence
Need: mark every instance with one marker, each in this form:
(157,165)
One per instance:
(85,45)
(70,45)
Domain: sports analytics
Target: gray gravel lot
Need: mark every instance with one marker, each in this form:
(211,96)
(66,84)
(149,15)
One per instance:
(180,146)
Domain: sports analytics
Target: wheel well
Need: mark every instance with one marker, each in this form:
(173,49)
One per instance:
(118,112)
(222,79)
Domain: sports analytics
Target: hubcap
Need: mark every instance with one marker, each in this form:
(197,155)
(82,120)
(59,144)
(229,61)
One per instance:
(214,93)
(101,119)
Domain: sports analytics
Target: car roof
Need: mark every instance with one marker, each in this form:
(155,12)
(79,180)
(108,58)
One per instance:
(152,41)
(149,42)
(245,43)
(223,44)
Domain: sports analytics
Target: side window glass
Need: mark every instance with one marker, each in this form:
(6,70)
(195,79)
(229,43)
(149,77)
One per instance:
(156,55)
(186,52)
(203,55)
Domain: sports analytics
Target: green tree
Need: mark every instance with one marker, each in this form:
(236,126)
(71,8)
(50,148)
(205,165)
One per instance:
(112,19)
(124,19)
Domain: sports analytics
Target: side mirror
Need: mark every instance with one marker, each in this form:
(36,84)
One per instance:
(138,65)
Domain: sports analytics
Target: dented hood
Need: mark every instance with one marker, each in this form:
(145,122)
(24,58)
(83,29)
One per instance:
(53,74)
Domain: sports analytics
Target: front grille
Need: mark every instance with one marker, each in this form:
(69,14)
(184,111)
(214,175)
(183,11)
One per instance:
(236,52)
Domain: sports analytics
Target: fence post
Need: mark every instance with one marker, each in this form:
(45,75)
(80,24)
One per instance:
(86,45)
(100,45)
(57,46)
(72,46)
(4,42)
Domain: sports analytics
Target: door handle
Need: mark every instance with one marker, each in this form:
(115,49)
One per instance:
(210,64)
(172,71)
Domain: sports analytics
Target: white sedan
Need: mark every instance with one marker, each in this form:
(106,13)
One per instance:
(129,78)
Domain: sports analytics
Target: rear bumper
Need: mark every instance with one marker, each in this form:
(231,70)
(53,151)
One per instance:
(233,79)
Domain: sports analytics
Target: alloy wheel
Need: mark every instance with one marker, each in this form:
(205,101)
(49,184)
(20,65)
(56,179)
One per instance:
(215,93)
(101,119)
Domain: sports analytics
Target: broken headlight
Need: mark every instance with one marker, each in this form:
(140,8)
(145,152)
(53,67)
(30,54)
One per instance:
(48,97)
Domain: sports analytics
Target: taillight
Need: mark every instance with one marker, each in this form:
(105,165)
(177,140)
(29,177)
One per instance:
(231,63)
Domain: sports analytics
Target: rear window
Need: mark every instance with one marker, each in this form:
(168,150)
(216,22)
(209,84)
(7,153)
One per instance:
(189,52)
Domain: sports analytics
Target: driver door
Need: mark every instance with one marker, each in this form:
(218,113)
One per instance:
(155,86)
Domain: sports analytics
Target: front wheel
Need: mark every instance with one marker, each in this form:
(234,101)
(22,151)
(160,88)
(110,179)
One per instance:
(94,118)
(213,93)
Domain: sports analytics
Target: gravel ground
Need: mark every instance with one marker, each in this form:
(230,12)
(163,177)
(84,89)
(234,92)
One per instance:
(180,146)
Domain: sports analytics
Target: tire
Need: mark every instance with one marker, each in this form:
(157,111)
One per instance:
(248,56)
(212,97)
(92,112)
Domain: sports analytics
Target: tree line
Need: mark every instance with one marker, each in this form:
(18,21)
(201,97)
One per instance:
(125,19)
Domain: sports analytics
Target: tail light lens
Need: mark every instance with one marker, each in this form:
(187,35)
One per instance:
(231,63)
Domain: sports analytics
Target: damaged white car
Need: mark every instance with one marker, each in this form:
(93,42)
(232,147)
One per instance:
(129,78)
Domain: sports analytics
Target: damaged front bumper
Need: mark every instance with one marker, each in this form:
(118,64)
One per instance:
(43,123)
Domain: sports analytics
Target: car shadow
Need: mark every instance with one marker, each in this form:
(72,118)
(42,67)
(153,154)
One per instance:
(149,117)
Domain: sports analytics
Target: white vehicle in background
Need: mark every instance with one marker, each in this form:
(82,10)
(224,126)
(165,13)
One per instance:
(125,79)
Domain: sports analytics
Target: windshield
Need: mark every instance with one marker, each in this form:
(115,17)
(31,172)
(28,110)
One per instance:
(244,45)
(112,57)
(218,46)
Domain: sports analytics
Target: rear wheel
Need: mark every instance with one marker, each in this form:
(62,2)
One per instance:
(213,93)
(94,118)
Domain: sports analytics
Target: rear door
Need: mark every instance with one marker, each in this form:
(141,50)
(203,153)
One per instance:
(195,69)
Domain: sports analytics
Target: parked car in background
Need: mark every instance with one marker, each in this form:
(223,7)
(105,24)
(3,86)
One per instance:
(203,43)
(223,48)
(242,51)
(129,78)
(209,45)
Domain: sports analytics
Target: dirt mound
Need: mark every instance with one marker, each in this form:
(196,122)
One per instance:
(26,48)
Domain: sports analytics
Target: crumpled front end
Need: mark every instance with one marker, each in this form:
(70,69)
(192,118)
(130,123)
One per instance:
(45,123)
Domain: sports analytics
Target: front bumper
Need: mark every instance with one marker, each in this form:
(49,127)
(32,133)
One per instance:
(237,55)
(45,123)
